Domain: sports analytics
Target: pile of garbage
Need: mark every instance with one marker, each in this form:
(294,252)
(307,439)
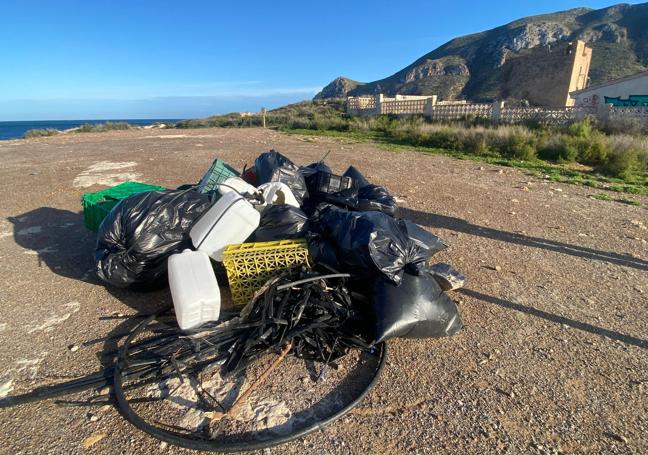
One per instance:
(350,226)
(319,266)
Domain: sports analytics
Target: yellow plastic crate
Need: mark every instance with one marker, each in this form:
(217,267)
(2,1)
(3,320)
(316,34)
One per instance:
(250,265)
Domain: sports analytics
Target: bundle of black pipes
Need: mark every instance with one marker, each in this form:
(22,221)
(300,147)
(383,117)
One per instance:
(311,313)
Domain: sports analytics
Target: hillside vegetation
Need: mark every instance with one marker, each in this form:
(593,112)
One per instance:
(603,157)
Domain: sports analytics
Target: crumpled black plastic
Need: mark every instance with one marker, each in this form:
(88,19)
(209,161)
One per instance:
(279,222)
(371,197)
(272,166)
(374,197)
(418,308)
(142,231)
(358,178)
(423,246)
(368,244)
(365,243)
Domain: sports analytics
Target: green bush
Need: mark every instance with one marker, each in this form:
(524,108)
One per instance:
(40,133)
(569,149)
(552,148)
(582,129)
(520,148)
(625,164)
(627,158)
(446,138)
(593,150)
(102,127)
(590,148)
(476,143)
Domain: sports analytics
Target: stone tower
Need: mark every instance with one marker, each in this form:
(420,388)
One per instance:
(545,76)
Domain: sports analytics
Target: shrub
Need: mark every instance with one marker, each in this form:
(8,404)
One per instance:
(627,157)
(475,142)
(568,150)
(621,163)
(515,142)
(519,148)
(40,133)
(592,150)
(631,126)
(445,138)
(551,149)
(363,124)
(101,127)
(582,129)
(585,148)
(329,122)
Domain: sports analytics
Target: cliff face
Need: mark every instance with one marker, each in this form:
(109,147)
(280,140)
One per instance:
(475,66)
(337,89)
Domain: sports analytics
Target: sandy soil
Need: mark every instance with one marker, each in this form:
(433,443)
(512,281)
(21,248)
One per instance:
(553,358)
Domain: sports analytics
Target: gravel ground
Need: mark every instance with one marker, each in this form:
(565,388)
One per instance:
(553,358)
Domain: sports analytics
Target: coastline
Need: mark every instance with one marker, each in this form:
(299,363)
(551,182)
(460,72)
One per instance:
(11,130)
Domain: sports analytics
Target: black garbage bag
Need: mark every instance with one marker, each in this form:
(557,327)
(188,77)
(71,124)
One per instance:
(323,253)
(142,231)
(346,199)
(418,308)
(359,180)
(369,244)
(272,166)
(377,198)
(423,246)
(280,222)
(366,244)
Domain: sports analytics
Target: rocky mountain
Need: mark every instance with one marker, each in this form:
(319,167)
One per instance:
(338,88)
(473,66)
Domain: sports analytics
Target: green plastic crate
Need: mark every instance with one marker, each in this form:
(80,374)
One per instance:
(97,205)
(217,174)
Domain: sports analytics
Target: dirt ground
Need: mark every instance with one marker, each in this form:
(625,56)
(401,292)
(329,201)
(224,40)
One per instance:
(553,357)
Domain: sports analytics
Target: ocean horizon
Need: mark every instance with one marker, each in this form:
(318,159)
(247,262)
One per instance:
(17,129)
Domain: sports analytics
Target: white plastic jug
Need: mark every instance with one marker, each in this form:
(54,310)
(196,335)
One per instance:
(232,219)
(277,193)
(194,289)
(237,185)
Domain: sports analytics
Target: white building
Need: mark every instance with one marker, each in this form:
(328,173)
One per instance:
(627,91)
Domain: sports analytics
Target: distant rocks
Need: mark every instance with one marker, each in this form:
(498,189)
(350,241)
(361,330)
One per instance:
(439,67)
(338,88)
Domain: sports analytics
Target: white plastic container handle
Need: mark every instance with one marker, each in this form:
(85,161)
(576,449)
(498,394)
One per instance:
(277,193)
(237,185)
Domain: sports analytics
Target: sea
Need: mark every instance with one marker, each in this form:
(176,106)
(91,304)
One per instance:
(16,130)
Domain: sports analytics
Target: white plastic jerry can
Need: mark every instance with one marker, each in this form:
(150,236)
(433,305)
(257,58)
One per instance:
(232,219)
(237,185)
(194,289)
(277,193)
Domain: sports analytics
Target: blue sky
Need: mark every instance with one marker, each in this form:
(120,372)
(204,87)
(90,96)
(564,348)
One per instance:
(95,59)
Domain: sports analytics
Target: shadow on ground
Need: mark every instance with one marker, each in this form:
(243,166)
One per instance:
(612,334)
(64,245)
(459,225)
(58,238)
